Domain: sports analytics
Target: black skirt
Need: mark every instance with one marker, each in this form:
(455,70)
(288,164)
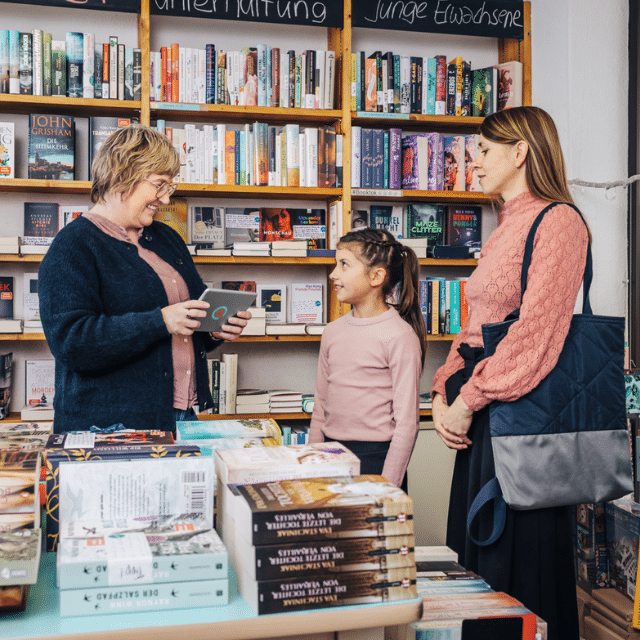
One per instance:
(533,558)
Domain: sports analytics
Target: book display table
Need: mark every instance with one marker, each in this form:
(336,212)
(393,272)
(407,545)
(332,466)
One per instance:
(236,621)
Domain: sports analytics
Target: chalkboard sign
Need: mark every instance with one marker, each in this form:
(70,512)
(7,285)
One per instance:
(315,13)
(124,6)
(490,18)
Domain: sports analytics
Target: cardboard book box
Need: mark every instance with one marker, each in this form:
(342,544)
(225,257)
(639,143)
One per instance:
(85,446)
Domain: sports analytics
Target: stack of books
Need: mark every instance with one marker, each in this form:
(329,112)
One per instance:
(246,466)
(257,325)
(210,435)
(323,542)
(10,245)
(459,603)
(419,245)
(32,326)
(41,412)
(252,401)
(289,248)
(251,249)
(163,563)
(285,401)
(166,478)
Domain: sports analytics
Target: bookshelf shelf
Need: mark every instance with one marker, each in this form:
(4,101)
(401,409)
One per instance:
(274,416)
(22,337)
(30,257)
(24,185)
(409,195)
(241,114)
(12,103)
(269,193)
(260,260)
(467,124)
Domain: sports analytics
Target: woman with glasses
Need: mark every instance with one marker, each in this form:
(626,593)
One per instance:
(119,299)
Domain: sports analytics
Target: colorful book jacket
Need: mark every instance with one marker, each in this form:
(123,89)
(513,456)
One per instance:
(294,224)
(51,147)
(100,128)
(333,507)
(41,222)
(410,172)
(7,150)
(454,148)
(464,226)
(19,556)
(470,153)
(6,297)
(484,85)
(436,175)
(509,85)
(426,221)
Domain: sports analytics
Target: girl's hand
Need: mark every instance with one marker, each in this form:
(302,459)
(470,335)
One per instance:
(234,328)
(452,423)
(183,318)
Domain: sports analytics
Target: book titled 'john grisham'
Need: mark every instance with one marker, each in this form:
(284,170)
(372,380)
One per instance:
(51,147)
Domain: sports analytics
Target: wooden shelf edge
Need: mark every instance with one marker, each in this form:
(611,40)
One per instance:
(254,416)
(21,336)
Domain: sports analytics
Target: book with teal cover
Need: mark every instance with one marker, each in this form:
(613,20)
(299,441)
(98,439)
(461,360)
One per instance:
(210,429)
(51,147)
(85,562)
(74,43)
(139,598)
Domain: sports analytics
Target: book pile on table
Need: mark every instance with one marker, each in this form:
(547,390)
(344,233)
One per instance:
(173,562)
(90,476)
(266,464)
(323,542)
(285,401)
(21,453)
(457,603)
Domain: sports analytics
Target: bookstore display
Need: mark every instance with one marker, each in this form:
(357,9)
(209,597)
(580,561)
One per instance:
(280,127)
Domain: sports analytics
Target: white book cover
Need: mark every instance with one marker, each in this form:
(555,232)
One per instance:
(179,142)
(121,57)
(222,396)
(221,129)
(356,167)
(182,74)
(31,308)
(329,79)
(188,73)
(191,136)
(149,487)
(208,154)
(307,302)
(88,58)
(278,160)
(202,76)
(311,156)
(292,155)
(200,153)
(405,84)
(273,297)
(113,67)
(7,150)
(39,378)
(302,154)
(231,380)
(37,61)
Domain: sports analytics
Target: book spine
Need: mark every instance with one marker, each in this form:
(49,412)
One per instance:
(386,159)
(466,88)
(98,71)
(175,72)
(378,159)
(26,64)
(441,85)
(210,88)
(156,597)
(88,55)
(14,61)
(74,49)
(371,80)
(105,70)
(454,306)
(128,73)
(137,74)
(397,81)
(293,161)
(37,61)
(431,86)
(113,67)
(46,64)
(121,70)
(5,73)
(367,159)
(59,69)
(339,160)
(452,74)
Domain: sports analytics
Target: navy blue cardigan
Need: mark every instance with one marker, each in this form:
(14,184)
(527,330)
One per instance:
(100,306)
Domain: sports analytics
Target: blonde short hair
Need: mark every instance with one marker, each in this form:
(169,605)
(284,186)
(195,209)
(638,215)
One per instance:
(129,155)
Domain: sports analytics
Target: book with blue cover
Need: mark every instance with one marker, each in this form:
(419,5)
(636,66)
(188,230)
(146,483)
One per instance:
(74,43)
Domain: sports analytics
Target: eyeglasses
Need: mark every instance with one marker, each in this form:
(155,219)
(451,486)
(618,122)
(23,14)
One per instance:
(164,189)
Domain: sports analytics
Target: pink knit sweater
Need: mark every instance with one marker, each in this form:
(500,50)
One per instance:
(532,347)
(368,384)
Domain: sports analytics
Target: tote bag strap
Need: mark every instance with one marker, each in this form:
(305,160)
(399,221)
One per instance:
(528,251)
(491,490)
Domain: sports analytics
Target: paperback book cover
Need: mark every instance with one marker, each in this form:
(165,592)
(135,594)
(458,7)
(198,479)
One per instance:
(241,225)
(484,94)
(210,429)
(162,481)
(41,223)
(206,226)
(273,298)
(471,182)
(51,147)
(275,224)
(19,556)
(338,507)
(100,128)
(19,480)
(6,359)
(410,168)
(341,589)
(30,300)
(426,221)
(454,174)
(464,226)
(509,85)
(155,597)
(39,381)
(7,150)
(307,302)
(322,557)
(91,561)
(6,300)
(174,215)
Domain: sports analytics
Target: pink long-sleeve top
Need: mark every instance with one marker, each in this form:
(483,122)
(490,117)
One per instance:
(532,346)
(368,385)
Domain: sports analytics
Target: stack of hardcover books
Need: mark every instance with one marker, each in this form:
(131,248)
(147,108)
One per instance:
(257,325)
(285,401)
(172,562)
(251,248)
(167,478)
(323,542)
(252,401)
(266,464)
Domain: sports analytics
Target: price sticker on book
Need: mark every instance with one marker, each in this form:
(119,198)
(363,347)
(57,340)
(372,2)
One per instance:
(129,559)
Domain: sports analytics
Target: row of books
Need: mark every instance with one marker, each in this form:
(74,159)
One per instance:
(385,159)
(443,305)
(258,154)
(438,224)
(392,83)
(262,76)
(33,63)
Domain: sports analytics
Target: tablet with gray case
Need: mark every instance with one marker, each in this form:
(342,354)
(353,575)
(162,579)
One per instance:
(224,303)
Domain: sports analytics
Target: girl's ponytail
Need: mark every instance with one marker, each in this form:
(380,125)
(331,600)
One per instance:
(378,247)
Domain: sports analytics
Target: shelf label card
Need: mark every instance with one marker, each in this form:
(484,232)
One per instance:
(488,18)
(313,13)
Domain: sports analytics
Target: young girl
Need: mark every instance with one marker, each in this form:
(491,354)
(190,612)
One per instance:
(371,359)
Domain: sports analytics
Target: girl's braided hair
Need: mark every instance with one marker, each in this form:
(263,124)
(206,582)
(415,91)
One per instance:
(379,248)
